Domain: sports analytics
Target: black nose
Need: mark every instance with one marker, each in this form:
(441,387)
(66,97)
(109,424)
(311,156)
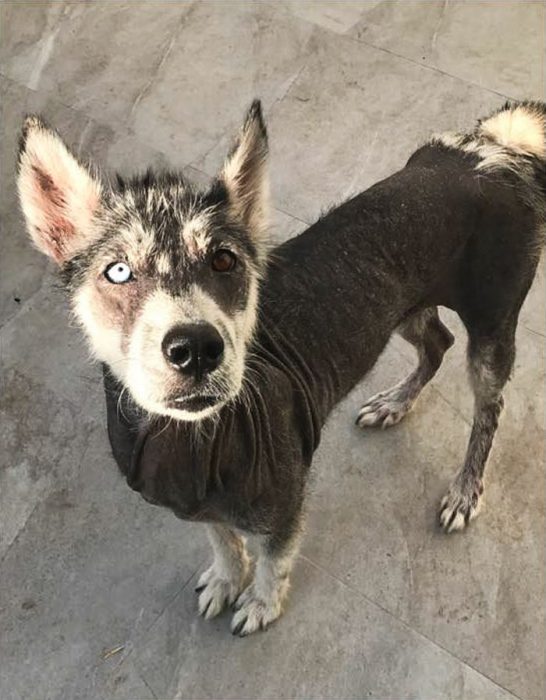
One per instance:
(193,349)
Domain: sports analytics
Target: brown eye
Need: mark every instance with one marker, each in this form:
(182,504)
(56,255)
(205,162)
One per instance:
(223,261)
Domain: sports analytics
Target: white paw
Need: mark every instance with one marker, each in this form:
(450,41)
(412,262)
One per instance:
(254,613)
(460,505)
(218,589)
(385,409)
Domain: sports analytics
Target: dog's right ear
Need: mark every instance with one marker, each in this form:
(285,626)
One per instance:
(59,197)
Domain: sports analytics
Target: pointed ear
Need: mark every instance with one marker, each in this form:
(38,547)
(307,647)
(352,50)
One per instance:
(245,173)
(58,195)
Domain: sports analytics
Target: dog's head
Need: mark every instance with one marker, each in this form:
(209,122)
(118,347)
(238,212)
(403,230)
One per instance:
(162,277)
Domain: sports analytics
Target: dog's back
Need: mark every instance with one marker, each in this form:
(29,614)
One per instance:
(459,226)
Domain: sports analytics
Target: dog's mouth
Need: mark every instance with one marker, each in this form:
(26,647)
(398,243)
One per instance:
(194,403)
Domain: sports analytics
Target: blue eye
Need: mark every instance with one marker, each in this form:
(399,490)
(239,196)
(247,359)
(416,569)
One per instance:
(118,273)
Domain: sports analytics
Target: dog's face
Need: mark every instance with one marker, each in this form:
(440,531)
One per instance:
(162,277)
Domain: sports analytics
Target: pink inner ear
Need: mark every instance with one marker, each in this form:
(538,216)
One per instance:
(57,229)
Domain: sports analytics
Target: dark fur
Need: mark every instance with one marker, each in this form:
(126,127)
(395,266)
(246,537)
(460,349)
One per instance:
(437,232)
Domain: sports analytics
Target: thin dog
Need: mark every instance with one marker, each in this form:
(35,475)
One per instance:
(222,359)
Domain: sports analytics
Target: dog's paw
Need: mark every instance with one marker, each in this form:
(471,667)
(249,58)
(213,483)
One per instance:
(385,409)
(254,613)
(218,590)
(460,505)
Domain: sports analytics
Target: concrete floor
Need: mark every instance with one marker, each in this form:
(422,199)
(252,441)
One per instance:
(96,593)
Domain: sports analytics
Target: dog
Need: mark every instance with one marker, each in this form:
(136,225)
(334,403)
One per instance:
(222,359)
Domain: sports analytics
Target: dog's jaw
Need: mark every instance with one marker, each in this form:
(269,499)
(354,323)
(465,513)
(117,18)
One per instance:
(180,414)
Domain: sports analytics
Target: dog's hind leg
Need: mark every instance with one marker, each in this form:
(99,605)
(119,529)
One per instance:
(490,361)
(222,582)
(431,339)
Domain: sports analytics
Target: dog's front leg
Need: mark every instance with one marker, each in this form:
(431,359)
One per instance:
(262,601)
(222,582)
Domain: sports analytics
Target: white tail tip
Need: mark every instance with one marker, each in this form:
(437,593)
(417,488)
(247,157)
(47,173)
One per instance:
(521,128)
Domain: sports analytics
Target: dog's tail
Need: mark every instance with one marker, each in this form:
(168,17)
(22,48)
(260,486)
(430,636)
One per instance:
(514,138)
(519,128)
(510,138)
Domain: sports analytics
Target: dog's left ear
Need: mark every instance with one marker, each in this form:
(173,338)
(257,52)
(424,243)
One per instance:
(245,173)
(59,196)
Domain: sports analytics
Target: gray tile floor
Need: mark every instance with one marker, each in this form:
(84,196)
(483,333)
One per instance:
(383,605)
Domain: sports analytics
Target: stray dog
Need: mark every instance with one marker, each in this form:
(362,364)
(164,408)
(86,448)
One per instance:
(222,363)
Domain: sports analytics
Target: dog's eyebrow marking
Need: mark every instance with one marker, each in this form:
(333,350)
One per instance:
(156,200)
(137,239)
(196,234)
(163,264)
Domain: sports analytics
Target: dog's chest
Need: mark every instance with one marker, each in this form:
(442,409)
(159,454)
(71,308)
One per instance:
(243,468)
